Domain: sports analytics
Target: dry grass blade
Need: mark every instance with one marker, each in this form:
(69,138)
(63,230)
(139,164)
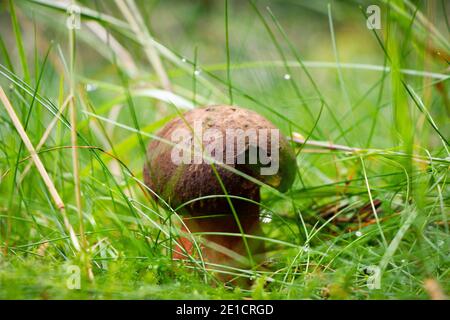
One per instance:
(327,145)
(39,165)
(46,135)
(37,161)
(434,289)
(131,14)
(298,138)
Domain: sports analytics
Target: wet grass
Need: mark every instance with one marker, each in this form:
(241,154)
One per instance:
(367,111)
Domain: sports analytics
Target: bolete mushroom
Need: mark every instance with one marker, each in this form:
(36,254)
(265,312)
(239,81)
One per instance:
(196,149)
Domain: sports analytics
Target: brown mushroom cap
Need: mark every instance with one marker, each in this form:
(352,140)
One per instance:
(180,183)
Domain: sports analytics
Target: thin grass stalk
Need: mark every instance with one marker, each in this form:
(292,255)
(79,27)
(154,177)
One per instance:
(75,155)
(39,165)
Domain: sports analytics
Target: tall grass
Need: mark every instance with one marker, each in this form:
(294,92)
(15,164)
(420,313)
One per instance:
(370,133)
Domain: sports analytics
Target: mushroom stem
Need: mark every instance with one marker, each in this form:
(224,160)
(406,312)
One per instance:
(227,248)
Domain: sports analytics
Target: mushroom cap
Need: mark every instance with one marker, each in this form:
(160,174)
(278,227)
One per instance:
(178,183)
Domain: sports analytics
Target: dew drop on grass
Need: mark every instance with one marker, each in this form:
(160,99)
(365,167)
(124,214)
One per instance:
(358,233)
(197,72)
(287,76)
(183,60)
(90,87)
(265,217)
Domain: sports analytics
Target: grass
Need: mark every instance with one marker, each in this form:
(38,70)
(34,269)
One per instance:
(367,111)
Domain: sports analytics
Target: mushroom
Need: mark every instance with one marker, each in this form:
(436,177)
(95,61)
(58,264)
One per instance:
(186,176)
